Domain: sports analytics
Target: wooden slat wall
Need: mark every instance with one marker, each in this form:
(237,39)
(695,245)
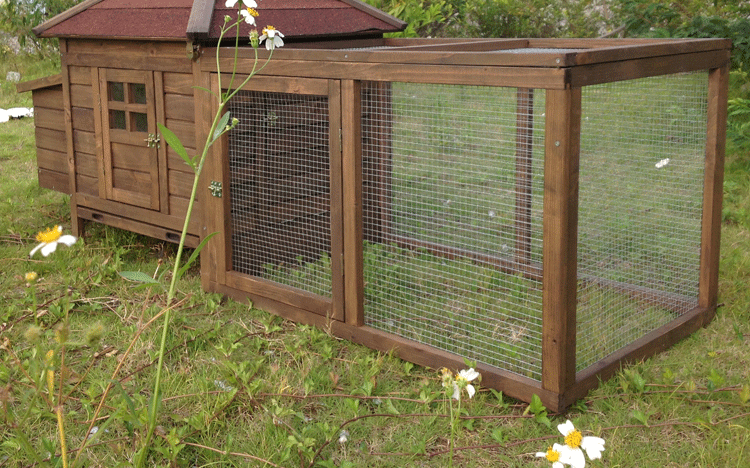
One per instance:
(49,121)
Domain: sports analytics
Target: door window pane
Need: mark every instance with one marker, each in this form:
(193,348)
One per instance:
(139,122)
(138,93)
(117,119)
(116,91)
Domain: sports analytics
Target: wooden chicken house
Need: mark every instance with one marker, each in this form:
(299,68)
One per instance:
(546,208)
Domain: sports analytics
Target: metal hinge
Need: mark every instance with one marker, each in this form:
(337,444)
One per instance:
(215,188)
(153,140)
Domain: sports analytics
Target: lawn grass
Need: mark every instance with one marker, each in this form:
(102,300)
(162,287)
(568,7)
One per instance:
(242,385)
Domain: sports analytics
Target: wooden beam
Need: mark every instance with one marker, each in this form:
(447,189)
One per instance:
(199,22)
(39,83)
(336,188)
(351,137)
(562,152)
(713,186)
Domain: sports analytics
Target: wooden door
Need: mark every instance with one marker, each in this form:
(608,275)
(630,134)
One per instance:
(130,141)
(280,219)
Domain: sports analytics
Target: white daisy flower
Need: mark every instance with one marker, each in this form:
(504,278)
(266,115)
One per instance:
(272,36)
(50,238)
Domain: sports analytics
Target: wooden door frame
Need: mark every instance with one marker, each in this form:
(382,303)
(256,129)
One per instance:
(217,210)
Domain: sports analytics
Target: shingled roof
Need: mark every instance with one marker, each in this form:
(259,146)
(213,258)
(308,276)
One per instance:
(202,19)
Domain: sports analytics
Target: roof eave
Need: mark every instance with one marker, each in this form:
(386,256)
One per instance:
(55,20)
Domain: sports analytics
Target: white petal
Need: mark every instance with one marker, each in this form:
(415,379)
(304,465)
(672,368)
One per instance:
(566,428)
(575,458)
(4,116)
(541,454)
(277,41)
(470,390)
(31,254)
(594,446)
(469,374)
(456,392)
(49,248)
(557,464)
(230,3)
(67,240)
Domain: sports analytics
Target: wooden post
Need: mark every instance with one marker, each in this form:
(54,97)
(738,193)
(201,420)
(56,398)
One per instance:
(524,149)
(713,186)
(562,148)
(351,152)
(338,311)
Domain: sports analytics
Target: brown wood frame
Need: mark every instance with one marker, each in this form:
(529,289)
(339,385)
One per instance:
(562,71)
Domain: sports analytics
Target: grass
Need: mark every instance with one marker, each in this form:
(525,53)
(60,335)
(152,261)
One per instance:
(242,385)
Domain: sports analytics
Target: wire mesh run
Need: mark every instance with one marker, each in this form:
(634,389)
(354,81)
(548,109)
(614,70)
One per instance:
(453,190)
(641,189)
(280,189)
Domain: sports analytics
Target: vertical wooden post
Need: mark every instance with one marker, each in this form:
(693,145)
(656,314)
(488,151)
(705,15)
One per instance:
(351,152)
(336,188)
(562,151)
(713,186)
(78,224)
(524,141)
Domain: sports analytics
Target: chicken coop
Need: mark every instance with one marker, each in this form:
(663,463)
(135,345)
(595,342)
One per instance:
(547,208)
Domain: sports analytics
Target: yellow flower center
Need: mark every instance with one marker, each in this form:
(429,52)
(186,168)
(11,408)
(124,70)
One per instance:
(31,276)
(553,455)
(253,12)
(573,439)
(269,30)
(50,235)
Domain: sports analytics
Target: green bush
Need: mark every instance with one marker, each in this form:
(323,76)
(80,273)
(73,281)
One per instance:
(18,17)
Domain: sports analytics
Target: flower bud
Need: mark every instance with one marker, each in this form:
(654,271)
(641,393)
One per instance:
(61,333)
(254,38)
(94,334)
(33,334)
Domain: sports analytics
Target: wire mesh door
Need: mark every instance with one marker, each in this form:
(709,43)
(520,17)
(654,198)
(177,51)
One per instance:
(280,173)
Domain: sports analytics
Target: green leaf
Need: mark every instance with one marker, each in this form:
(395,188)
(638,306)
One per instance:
(536,406)
(745,394)
(138,277)
(176,144)
(640,416)
(221,126)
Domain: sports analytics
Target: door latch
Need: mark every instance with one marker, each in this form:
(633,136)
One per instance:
(153,140)
(215,188)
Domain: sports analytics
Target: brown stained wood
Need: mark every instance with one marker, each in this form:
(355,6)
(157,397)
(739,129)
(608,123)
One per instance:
(185,131)
(52,180)
(216,257)
(86,165)
(84,142)
(148,50)
(161,147)
(708,284)
(335,201)
(81,96)
(109,59)
(170,222)
(55,161)
(77,223)
(53,119)
(312,303)
(50,98)
(40,84)
(562,151)
(178,207)
(179,107)
(87,185)
(179,83)
(145,228)
(648,345)
(587,75)
(181,183)
(439,74)
(100,121)
(274,85)
(83,119)
(50,139)
(351,154)
(524,152)
(80,75)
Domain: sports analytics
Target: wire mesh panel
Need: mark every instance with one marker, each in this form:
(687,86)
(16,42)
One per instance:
(452,202)
(280,189)
(641,188)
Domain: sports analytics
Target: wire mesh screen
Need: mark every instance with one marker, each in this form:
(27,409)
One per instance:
(641,188)
(280,192)
(453,189)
